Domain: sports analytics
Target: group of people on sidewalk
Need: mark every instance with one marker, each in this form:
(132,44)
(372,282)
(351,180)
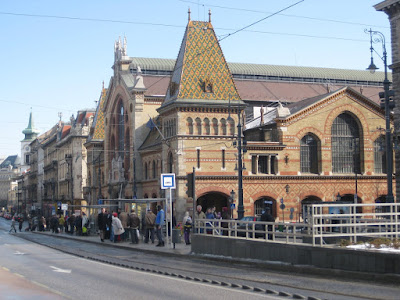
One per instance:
(118,226)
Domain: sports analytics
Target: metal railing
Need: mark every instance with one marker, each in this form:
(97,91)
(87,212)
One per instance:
(353,221)
(324,224)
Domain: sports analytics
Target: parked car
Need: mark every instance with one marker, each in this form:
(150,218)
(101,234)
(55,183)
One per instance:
(241,228)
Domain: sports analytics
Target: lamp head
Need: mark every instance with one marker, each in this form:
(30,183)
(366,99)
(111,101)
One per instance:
(372,68)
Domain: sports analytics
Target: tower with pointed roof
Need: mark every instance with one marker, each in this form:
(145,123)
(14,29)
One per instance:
(30,135)
(199,114)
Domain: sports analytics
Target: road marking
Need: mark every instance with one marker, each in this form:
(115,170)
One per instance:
(55,269)
(19,253)
(4,268)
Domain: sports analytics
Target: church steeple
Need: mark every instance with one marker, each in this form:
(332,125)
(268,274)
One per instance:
(30,131)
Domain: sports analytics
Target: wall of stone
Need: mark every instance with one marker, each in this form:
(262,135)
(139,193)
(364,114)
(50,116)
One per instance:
(328,258)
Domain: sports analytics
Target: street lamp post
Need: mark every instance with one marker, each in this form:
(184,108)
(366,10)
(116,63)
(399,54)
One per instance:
(379,37)
(240,169)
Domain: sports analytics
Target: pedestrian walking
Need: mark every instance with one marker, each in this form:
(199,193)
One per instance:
(85,224)
(102,222)
(13,225)
(124,218)
(187,226)
(61,222)
(160,221)
(71,223)
(150,221)
(200,215)
(20,222)
(42,223)
(54,224)
(210,224)
(117,228)
(225,225)
(134,223)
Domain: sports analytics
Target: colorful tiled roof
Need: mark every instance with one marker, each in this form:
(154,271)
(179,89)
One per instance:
(201,71)
(98,122)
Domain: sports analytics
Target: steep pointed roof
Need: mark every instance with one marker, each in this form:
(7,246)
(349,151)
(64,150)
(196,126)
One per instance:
(201,71)
(30,131)
(97,130)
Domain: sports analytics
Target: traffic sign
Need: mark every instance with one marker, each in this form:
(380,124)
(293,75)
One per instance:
(168,181)
(282,200)
(282,206)
(233,205)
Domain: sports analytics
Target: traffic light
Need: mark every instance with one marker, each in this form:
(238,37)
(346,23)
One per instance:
(382,99)
(190,185)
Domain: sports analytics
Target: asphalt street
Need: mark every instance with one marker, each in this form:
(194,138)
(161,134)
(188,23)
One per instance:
(105,270)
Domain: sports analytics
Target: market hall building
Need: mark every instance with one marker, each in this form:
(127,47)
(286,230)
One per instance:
(311,134)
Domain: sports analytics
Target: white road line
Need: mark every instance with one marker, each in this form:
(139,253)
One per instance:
(55,269)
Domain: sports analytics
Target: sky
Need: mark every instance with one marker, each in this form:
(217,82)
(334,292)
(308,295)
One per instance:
(55,55)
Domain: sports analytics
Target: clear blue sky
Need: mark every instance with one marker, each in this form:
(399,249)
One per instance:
(54,59)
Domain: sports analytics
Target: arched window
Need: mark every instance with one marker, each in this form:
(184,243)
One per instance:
(380,155)
(206,126)
(189,122)
(121,130)
(111,154)
(215,126)
(223,126)
(198,126)
(231,123)
(345,144)
(127,162)
(170,163)
(154,169)
(309,154)
(146,171)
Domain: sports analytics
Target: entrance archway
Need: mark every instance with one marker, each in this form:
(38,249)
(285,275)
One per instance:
(380,209)
(261,204)
(349,198)
(307,201)
(212,199)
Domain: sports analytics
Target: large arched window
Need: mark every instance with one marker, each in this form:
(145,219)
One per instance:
(345,144)
(154,170)
(121,130)
(309,154)
(170,163)
(189,122)
(198,126)
(380,155)
(223,126)
(206,126)
(127,162)
(215,126)
(231,123)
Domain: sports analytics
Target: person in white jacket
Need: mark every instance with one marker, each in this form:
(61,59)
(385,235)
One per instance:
(117,228)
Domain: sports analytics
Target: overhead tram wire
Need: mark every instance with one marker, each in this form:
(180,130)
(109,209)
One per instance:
(231,34)
(284,15)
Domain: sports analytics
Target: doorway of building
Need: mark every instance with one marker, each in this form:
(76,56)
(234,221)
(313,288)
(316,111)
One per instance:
(261,204)
(307,201)
(212,199)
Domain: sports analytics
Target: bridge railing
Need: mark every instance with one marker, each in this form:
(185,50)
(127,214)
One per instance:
(325,224)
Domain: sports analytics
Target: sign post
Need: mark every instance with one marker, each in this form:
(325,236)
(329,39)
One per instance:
(168,182)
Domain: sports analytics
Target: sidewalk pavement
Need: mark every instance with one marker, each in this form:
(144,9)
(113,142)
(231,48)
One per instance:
(181,249)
